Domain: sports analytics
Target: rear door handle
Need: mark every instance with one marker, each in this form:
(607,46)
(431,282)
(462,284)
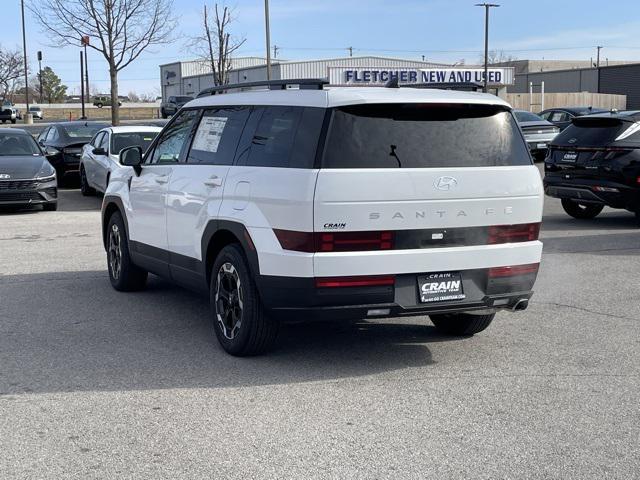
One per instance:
(214,181)
(162,179)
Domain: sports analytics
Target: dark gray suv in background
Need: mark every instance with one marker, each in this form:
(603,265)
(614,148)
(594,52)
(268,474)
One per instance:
(173,104)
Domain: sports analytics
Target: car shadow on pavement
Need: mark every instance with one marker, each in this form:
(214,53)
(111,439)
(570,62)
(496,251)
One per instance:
(70,331)
(605,244)
(621,220)
(72,200)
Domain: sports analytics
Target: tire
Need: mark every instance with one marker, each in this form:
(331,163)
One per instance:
(99,105)
(637,213)
(50,207)
(85,189)
(462,324)
(123,274)
(13,121)
(163,114)
(582,211)
(241,324)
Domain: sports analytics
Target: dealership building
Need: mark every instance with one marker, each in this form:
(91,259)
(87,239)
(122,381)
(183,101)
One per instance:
(189,78)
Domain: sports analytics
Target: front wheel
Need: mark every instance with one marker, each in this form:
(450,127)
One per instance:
(582,211)
(124,275)
(13,121)
(85,189)
(99,105)
(462,324)
(241,324)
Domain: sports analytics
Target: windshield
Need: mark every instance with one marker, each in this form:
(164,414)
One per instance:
(34,109)
(524,116)
(131,139)
(18,144)
(183,99)
(423,136)
(83,130)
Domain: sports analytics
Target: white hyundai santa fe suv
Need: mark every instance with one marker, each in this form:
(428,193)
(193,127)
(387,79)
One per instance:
(315,202)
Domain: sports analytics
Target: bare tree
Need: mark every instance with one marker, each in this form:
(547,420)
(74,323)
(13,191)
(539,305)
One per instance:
(11,70)
(215,43)
(498,56)
(119,29)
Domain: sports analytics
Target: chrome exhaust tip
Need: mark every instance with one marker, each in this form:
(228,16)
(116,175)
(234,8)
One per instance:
(520,305)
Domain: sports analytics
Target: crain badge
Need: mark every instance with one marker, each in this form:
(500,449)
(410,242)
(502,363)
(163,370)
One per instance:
(445,183)
(335,226)
(4,176)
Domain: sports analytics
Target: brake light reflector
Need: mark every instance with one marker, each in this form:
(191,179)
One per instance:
(525,232)
(513,270)
(371,281)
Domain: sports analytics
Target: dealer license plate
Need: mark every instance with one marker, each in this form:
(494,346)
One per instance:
(542,145)
(440,287)
(570,157)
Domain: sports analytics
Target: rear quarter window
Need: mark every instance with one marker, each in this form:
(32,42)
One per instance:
(423,136)
(285,137)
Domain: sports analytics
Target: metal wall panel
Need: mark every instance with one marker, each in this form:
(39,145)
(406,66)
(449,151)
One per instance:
(563,81)
(623,80)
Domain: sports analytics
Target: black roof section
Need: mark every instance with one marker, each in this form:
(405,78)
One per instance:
(301,83)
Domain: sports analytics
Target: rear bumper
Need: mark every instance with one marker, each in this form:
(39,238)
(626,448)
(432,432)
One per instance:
(299,299)
(583,190)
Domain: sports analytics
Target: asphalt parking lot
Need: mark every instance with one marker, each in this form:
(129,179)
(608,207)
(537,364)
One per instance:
(100,384)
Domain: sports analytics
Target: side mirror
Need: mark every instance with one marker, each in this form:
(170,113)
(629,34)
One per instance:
(51,152)
(132,157)
(99,151)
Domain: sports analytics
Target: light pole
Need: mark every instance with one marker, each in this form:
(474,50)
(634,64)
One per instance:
(486,6)
(268,37)
(26,74)
(40,73)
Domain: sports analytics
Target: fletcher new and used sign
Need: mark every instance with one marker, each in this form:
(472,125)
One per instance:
(381,75)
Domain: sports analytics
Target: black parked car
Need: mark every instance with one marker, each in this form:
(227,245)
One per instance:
(596,162)
(63,144)
(173,104)
(561,117)
(26,177)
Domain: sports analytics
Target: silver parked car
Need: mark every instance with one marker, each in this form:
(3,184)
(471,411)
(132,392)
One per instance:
(101,157)
(537,131)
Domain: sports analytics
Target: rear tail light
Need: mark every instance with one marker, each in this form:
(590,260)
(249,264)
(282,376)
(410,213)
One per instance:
(353,241)
(334,242)
(513,271)
(525,232)
(341,282)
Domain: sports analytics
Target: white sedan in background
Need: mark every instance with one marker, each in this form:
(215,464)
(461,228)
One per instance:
(101,156)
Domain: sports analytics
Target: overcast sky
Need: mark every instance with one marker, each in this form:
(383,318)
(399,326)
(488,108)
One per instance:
(442,30)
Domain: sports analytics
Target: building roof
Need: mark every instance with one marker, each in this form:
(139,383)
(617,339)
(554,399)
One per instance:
(341,96)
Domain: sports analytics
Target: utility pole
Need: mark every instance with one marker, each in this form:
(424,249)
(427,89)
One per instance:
(598,48)
(82,83)
(275,51)
(268,37)
(26,73)
(85,43)
(40,73)
(486,6)
(350,51)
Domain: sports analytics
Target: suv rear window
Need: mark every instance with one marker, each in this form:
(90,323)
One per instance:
(595,132)
(423,136)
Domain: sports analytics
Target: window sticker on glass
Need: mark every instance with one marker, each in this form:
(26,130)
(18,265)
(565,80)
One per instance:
(209,133)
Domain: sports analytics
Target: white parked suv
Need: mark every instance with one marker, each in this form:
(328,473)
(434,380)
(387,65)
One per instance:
(332,202)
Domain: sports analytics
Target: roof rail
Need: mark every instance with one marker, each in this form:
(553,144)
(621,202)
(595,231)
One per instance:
(464,86)
(302,83)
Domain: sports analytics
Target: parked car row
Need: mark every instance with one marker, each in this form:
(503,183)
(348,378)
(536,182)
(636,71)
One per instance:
(30,170)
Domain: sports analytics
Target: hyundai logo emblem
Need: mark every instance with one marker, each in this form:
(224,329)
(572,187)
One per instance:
(445,183)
